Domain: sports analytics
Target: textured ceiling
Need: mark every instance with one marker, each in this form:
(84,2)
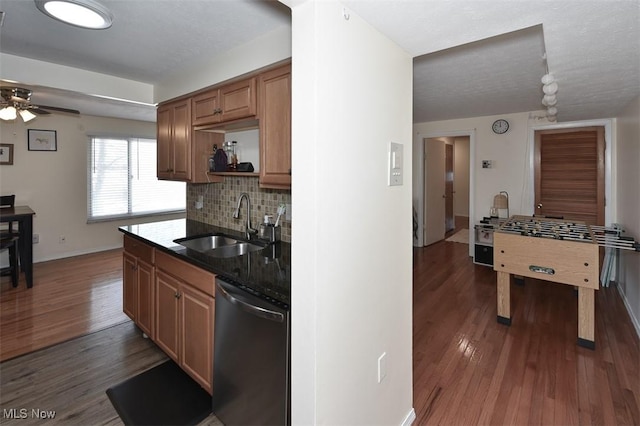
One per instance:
(472,58)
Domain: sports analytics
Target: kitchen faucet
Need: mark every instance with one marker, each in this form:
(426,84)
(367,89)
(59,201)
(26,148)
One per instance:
(249,230)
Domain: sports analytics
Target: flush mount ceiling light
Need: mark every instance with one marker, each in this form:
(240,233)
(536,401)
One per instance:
(79,13)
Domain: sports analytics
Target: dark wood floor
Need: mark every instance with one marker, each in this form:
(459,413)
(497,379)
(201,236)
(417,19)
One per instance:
(71,297)
(468,369)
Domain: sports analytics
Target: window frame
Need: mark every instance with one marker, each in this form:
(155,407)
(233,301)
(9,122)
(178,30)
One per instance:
(129,214)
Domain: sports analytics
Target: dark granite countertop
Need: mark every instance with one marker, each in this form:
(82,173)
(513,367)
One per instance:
(265,272)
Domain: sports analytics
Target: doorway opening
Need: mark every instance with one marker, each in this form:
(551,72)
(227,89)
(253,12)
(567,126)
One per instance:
(447,181)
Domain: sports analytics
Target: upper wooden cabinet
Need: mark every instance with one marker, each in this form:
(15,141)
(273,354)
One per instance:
(229,102)
(174,140)
(188,128)
(183,155)
(274,113)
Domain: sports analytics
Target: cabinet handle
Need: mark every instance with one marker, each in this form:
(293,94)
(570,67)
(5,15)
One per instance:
(177,295)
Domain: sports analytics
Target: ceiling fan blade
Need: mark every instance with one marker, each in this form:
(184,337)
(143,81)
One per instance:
(58,109)
(39,111)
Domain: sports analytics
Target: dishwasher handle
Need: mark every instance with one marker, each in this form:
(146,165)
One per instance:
(237,299)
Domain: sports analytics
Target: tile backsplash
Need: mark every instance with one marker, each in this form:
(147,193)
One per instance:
(221,199)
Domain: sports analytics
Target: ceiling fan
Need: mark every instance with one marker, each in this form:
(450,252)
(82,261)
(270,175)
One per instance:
(16,100)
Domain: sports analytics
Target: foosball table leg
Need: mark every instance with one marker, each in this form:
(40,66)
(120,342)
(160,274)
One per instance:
(504,298)
(586,317)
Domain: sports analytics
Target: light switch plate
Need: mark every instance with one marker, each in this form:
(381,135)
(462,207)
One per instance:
(396,169)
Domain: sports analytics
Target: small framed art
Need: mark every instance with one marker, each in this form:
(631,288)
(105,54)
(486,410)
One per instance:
(6,154)
(42,140)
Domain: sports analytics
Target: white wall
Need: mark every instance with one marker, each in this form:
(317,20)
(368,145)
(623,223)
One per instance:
(352,260)
(508,152)
(628,203)
(266,50)
(34,72)
(54,184)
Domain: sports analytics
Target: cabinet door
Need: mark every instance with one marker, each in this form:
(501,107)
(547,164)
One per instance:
(238,100)
(129,285)
(196,350)
(182,140)
(206,108)
(164,125)
(145,300)
(166,332)
(275,128)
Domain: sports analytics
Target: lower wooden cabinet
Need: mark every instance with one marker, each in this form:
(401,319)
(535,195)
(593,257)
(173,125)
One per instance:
(184,319)
(172,302)
(196,346)
(138,284)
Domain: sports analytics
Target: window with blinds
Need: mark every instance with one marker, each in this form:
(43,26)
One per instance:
(122,180)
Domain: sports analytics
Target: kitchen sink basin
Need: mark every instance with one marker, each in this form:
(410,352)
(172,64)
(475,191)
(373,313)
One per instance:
(219,245)
(206,243)
(232,250)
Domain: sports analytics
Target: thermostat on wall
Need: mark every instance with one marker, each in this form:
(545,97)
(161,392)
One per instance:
(395,164)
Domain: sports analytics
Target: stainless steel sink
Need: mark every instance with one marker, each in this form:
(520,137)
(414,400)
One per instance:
(232,250)
(207,243)
(219,245)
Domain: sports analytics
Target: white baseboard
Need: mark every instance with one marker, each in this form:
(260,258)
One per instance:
(76,253)
(408,420)
(634,320)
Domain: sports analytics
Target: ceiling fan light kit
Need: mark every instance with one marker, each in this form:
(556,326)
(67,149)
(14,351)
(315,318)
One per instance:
(8,113)
(27,115)
(16,100)
(79,13)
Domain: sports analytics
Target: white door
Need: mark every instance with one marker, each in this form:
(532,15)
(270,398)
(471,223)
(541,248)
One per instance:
(434,188)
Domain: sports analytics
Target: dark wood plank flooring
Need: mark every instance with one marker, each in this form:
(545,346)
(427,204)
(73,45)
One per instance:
(468,369)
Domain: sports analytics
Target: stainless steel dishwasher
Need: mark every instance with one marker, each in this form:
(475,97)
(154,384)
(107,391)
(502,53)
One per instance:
(251,383)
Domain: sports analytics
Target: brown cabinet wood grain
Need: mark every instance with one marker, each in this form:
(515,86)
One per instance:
(167,305)
(196,350)
(138,287)
(275,128)
(226,103)
(174,141)
(185,316)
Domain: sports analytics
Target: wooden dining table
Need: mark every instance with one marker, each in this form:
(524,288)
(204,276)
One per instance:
(24,216)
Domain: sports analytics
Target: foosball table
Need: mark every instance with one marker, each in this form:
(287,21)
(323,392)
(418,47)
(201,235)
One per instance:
(565,252)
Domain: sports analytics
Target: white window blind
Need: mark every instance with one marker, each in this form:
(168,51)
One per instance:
(123,182)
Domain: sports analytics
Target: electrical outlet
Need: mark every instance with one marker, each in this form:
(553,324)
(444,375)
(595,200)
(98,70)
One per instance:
(382,367)
(62,239)
(36,239)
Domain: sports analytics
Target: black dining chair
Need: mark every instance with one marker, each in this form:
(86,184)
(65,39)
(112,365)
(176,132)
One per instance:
(10,242)
(11,228)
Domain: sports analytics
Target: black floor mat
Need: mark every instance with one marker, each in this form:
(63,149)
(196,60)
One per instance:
(163,395)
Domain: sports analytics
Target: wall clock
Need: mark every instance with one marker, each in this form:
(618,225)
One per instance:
(500,126)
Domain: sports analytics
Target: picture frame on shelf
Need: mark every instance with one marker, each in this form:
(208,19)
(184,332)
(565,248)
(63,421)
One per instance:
(42,140)
(6,154)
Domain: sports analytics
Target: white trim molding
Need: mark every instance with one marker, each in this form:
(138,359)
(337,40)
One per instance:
(411,417)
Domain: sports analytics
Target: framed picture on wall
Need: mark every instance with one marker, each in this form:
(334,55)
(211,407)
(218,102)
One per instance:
(42,140)
(6,154)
